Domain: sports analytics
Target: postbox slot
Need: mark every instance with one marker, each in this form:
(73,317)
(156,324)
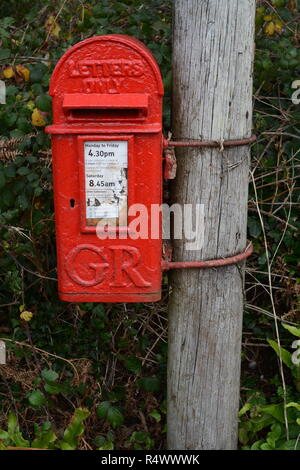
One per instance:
(106,114)
(106,107)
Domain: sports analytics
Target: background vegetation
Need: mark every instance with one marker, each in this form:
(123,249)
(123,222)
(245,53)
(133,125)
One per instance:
(93,376)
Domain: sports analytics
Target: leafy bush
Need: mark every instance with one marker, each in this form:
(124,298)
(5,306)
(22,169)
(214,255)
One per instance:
(44,436)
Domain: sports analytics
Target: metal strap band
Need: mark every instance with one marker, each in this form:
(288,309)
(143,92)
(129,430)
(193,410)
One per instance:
(212,263)
(209,143)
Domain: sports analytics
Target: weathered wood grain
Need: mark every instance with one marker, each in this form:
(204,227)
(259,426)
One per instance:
(212,100)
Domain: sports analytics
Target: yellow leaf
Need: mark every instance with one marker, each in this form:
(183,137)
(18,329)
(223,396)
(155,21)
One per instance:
(268,18)
(37,118)
(26,315)
(260,11)
(38,205)
(8,72)
(52,26)
(270,28)
(30,105)
(292,5)
(278,26)
(23,71)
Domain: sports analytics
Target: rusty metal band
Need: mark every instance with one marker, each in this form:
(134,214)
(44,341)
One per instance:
(212,263)
(211,143)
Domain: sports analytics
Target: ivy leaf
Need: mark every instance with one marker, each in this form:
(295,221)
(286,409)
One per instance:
(102,409)
(36,398)
(156,415)
(53,388)
(10,171)
(133,364)
(50,375)
(37,72)
(115,417)
(151,384)
(43,102)
(22,201)
(108,445)
(4,53)
(23,170)
(254,227)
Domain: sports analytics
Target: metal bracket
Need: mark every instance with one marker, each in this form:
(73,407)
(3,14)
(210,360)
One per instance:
(212,263)
(221,144)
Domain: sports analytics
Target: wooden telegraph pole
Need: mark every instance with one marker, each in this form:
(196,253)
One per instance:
(212,100)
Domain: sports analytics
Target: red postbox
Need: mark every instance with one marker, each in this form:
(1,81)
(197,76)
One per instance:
(107,156)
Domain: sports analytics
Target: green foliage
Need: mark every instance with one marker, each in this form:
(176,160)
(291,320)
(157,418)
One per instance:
(74,430)
(267,427)
(274,191)
(44,436)
(287,358)
(111,413)
(36,398)
(151,384)
(133,364)
(141,441)
(274,426)
(13,435)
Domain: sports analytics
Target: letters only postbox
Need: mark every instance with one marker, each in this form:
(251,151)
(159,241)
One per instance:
(107,157)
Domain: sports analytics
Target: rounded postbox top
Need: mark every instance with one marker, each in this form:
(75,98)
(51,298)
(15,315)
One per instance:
(104,82)
(107,64)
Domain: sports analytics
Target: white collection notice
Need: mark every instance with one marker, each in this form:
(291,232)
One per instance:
(106,189)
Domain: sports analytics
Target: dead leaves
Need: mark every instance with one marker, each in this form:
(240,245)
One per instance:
(19,72)
(38,118)
(52,26)
(273,25)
